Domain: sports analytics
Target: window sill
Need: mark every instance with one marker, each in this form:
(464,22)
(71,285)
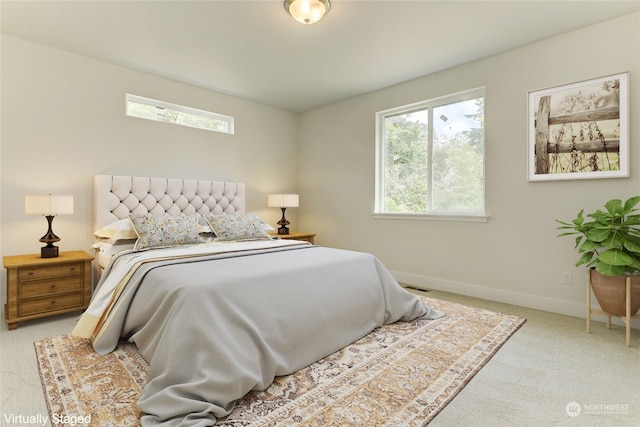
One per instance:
(432,217)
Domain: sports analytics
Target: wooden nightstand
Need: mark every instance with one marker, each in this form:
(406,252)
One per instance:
(295,235)
(40,287)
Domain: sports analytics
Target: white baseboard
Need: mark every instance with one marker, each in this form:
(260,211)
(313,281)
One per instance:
(553,305)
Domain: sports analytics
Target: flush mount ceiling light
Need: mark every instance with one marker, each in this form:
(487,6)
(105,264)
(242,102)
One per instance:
(307,11)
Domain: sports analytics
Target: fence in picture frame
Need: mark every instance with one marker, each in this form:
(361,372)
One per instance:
(579,130)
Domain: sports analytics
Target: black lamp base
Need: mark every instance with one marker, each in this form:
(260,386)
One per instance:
(49,251)
(283,223)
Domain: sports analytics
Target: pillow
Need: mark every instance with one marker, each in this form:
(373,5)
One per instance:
(267,227)
(123,230)
(113,247)
(204,229)
(243,226)
(164,231)
(118,230)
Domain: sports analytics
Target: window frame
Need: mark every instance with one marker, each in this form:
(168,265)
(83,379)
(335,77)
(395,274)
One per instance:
(130,98)
(430,104)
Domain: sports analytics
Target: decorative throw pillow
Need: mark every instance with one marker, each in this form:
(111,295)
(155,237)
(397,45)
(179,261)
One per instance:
(118,230)
(156,231)
(243,226)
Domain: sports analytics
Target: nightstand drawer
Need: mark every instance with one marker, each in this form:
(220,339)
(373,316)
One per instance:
(39,289)
(49,272)
(45,305)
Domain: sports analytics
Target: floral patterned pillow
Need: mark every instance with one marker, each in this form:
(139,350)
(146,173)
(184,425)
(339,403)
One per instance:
(243,226)
(155,231)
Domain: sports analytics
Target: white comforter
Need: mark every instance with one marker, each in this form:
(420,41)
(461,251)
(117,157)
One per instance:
(215,326)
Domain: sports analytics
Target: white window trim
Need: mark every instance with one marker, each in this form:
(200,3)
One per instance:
(432,217)
(181,108)
(378,212)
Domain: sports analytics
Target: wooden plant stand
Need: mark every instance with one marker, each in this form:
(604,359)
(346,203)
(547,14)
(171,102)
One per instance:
(626,319)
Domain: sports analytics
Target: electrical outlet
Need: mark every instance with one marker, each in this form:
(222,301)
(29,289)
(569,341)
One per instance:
(567,278)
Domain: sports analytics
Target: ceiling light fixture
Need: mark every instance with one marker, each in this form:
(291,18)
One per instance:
(307,11)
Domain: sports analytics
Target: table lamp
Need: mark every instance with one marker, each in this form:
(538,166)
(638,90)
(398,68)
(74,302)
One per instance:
(49,206)
(283,201)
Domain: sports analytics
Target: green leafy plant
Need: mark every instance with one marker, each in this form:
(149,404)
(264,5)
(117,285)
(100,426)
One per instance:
(609,239)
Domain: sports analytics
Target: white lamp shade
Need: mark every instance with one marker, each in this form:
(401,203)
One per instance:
(283,200)
(48,205)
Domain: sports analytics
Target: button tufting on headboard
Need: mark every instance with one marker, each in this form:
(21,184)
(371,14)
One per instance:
(115,197)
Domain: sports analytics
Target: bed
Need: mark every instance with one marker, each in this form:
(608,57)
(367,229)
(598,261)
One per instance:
(215,305)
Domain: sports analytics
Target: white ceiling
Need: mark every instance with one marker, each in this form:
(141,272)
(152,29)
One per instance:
(256,51)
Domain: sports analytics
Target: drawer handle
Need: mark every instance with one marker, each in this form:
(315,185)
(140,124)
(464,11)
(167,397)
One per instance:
(52,287)
(53,302)
(72,269)
(31,273)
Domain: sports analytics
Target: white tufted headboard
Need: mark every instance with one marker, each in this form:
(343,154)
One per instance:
(117,196)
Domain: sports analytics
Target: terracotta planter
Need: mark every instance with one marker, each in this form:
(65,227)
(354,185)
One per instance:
(610,293)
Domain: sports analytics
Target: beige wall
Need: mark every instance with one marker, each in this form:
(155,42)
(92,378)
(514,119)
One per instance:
(63,122)
(515,256)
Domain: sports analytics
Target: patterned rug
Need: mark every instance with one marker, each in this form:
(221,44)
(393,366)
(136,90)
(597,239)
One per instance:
(399,375)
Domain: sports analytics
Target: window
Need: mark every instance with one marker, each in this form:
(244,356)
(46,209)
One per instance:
(430,158)
(160,111)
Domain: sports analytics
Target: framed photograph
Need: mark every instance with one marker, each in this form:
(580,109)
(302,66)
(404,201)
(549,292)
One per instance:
(580,130)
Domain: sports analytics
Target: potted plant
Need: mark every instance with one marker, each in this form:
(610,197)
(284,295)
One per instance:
(609,244)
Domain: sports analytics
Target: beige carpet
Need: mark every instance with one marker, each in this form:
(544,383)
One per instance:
(399,375)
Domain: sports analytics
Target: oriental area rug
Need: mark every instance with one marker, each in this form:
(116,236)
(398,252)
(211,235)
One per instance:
(399,375)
